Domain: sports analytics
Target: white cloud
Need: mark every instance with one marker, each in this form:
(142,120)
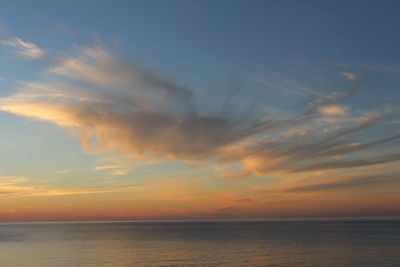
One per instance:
(26,49)
(349,75)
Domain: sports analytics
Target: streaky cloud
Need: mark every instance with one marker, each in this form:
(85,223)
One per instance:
(117,106)
(25,49)
(349,182)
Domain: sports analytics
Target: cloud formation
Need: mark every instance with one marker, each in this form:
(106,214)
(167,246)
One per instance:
(116,106)
(335,110)
(374,181)
(25,49)
(349,75)
(130,110)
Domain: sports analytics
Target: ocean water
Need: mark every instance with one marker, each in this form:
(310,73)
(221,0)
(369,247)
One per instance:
(236,243)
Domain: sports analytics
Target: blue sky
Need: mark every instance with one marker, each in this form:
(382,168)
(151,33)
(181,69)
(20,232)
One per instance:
(101,97)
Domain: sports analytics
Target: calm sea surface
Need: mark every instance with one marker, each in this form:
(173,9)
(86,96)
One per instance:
(246,243)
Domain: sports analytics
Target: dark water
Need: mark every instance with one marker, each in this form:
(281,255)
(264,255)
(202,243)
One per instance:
(256,243)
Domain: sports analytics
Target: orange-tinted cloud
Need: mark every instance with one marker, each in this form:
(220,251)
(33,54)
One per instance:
(115,106)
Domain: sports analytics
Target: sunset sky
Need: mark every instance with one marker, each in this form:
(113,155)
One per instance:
(115,110)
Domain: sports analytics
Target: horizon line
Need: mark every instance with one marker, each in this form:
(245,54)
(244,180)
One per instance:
(293,219)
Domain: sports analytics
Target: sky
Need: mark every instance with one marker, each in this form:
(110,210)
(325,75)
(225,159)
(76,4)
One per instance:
(119,110)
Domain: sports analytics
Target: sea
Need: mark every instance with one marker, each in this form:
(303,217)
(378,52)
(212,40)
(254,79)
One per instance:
(328,242)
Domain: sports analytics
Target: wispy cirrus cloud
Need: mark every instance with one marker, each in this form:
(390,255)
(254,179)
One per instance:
(112,168)
(131,110)
(23,48)
(375,181)
(14,186)
(116,106)
(350,75)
